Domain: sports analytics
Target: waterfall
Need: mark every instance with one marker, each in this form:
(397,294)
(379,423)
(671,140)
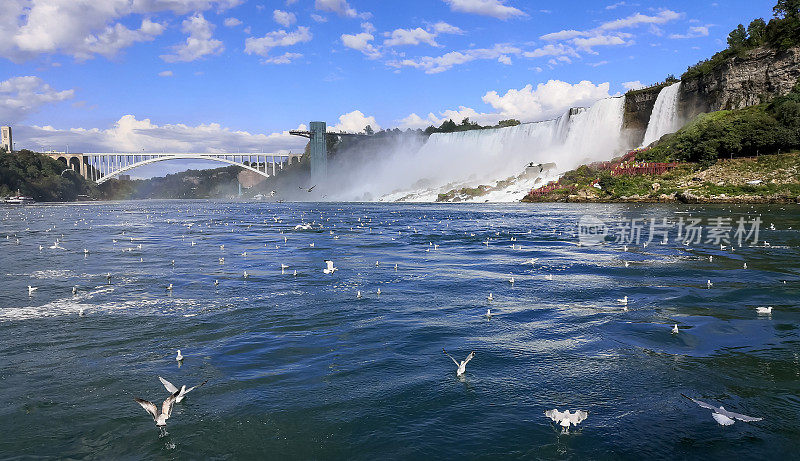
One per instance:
(449,161)
(664,118)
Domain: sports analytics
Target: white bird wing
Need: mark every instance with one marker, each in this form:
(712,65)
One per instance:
(148,407)
(168,385)
(330,264)
(166,407)
(469,357)
(555,415)
(194,387)
(702,404)
(738,416)
(577,417)
(451,358)
(722,419)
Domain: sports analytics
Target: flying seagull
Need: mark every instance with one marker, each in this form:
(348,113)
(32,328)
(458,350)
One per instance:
(181,392)
(160,417)
(723,416)
(462,366)
(566,418)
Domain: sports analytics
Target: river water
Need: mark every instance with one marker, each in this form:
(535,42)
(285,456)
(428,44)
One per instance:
(299,367)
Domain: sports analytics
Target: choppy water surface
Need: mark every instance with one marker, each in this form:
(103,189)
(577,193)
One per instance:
(299,367)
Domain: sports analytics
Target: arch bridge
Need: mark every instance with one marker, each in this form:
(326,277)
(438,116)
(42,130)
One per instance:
(102,166)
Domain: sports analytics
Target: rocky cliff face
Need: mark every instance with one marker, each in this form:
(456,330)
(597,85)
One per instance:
(638,107)
(759,76)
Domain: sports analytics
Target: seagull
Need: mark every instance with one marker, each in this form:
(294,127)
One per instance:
(181,392)
(710,258)
(85,251)
(379,291)
(395,267)
(511,280)
(462,366)
(744,266)
(75,289)
(675,329)
(566,418)
(283,268)
(760,310)
(166,409)
(31,290)
(490,297)
(245,274)
(358,295)
(623,300)
(723,416)
(627,263)
(216,282)
(329,269)
(709,284)
(108,277)
(488,313)
(179,357)
(169,287)
(377,263)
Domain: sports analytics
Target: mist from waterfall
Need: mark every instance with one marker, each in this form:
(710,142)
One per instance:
(411,170)
(664,118)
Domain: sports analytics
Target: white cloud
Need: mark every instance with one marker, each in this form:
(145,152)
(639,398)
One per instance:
(340,7)
(262,45)
(562,35)
(83,29)
(401,37)
(615,5)
(442,27)
(198,44)
(285,58)
(284,18)
(662,17)
(503,59)
(22,96)
(318,18)
(435,65)
(545,101)
(694,32)
(494,8)
(588,43)
(362,43)
(130,134)
(551,50)
(355,122)
(232,22)
(634,85)
(165,73)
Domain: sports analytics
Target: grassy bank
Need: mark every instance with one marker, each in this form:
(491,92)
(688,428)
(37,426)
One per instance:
(764,179)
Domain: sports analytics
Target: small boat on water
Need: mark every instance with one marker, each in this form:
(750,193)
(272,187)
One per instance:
(18,199)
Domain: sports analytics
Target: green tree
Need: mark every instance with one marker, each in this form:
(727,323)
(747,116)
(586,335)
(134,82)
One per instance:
(737,38)
(756,32)
(789,9)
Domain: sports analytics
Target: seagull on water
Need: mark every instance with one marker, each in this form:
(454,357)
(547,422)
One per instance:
(329,269)
(511,280)
(283,268)
(462,366)
(31,290)
(723,416)
(488,313)
(216,283)
(379,291)
(358,295)
(709,284)
(744,266)
(179,357)
(245,274)
(675,329)
(490,297)
(567,418)
(627,263)
(169,287)
(75,289)
(623,300)
(764,310)
(160,417)
(181,392)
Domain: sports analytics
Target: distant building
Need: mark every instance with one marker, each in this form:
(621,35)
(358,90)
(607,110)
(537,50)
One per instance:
(7,142)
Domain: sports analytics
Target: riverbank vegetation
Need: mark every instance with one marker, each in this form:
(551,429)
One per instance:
(41,177)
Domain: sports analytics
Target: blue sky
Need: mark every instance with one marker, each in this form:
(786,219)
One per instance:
(216,75)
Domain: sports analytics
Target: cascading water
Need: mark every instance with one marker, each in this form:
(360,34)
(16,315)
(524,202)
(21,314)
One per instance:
(449,161)
(664,118)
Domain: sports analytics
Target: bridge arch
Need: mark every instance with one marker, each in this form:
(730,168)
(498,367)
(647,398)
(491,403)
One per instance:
(180,157)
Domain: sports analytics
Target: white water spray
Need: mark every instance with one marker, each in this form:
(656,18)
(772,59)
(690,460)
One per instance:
(449,161)
(664,119)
